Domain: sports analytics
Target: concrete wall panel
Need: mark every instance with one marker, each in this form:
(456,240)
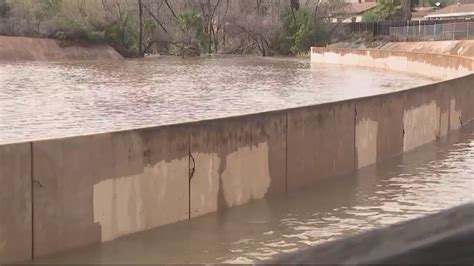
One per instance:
(320,143)
(237,160)
(458,97)
(349,59)
(379,58)
(419,63)
(63,199)
(97,188)
(421,118)
(15,203)
(332,58)
(317,55)
(366,60)
(398,61)
(379,128)
(156,195)
(446,103)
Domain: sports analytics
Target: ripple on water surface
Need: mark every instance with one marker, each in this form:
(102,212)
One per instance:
(46,100)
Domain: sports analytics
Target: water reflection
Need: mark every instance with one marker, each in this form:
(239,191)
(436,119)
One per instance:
(45,100)
(429,179)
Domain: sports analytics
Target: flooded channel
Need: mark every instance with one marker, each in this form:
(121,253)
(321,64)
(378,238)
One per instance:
(434,177)
(57,99)
(46,100)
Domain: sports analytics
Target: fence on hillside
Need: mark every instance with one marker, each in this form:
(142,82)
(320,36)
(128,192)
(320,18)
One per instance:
(417,30)
(435,32)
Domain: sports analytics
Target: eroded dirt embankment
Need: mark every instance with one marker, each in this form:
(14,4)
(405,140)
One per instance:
(37,49)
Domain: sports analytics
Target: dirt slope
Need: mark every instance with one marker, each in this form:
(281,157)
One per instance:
(36,49)
(461,48)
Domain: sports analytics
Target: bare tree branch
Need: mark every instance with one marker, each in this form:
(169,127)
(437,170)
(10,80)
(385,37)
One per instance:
(171,9)
(155,18)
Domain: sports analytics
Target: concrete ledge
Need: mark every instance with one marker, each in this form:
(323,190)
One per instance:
(443,238)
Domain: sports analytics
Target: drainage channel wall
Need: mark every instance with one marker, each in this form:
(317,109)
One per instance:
(65,193)
(431,65)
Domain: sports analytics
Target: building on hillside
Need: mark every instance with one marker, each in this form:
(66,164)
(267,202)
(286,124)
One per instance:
(357,10)
(457,11)
(420,13)
(354,10)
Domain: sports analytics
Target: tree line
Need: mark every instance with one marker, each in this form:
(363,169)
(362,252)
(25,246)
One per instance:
(138,27)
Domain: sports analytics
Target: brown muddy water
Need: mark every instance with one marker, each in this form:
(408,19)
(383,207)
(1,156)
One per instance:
(56,99)
(431,178)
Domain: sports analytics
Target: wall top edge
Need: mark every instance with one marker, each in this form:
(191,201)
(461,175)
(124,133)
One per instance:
(330,49)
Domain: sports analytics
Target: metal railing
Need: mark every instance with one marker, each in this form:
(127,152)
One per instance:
(435,32)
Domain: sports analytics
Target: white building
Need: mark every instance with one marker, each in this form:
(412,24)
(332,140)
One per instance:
(456,11)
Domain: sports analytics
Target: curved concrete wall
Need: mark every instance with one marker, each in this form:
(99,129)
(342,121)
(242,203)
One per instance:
(38,49)
(431,65)
(82,190)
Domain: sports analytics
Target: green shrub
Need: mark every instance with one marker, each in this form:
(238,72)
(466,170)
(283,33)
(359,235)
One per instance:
(96,36)
(300,32)
(123,37)
(192,25)
(386,10)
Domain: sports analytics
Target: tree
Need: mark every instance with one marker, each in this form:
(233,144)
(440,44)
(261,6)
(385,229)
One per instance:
(255,25)
(386,10)
(192,27)
(4,9)
(136,27)
(406,6)
(208,11)
(140,36)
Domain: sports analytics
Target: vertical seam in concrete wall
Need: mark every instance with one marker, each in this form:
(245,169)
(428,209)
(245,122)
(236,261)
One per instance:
(438,105)
(189,174)
(286,152)
(404,105)
(32,184)
(355,139)
(448,130)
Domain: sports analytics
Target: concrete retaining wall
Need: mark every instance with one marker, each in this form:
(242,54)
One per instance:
(96,188)
(71,192)
(320,143)
(15,202)
(431,65)
(237,160)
